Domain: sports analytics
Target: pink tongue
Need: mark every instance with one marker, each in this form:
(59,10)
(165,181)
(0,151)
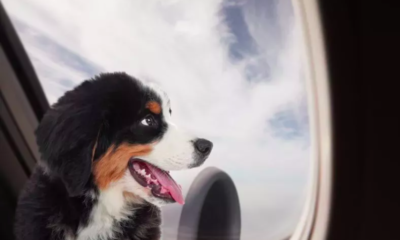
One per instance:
(167,182)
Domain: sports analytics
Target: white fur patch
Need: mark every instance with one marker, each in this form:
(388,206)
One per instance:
(111,207)
(175,150)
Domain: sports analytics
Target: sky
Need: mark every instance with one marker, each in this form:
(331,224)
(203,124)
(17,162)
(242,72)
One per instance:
(233,71)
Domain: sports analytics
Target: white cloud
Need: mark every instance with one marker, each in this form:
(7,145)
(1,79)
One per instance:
(183,46)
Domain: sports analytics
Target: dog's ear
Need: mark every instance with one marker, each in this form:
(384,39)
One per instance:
(66,137)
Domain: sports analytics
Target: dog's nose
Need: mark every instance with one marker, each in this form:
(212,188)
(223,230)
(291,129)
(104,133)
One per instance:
(203,146)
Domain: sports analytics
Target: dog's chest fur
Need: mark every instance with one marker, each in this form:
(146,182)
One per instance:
(106,217)
(46,213)
(113,218)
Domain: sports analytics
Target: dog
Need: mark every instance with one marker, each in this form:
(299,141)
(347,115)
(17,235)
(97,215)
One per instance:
(106,148)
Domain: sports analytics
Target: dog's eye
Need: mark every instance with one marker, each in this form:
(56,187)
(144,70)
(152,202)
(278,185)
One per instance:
(149,121)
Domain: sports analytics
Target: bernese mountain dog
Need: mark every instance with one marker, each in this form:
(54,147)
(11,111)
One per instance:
(107,148)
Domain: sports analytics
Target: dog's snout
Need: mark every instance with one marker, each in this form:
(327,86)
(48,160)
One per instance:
(203,146)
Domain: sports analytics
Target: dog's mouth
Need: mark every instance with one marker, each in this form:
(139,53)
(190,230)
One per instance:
(157,180)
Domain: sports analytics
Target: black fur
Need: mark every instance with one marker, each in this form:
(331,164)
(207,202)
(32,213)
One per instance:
(56,200)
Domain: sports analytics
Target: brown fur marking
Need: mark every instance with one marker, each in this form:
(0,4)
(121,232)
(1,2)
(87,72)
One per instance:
(154,107)
(113,164)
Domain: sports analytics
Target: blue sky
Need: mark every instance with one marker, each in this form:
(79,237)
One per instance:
(233,70)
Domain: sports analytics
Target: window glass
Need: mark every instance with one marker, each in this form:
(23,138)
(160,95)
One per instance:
(233,72)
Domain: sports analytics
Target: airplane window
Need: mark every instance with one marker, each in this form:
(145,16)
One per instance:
(234,73)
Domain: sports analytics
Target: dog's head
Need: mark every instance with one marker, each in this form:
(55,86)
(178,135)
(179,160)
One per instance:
(116,132)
